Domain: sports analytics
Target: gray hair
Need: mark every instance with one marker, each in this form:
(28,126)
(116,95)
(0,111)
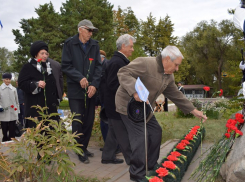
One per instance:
(124,39)
(172,51)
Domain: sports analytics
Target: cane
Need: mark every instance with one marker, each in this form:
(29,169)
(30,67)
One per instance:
(146,147)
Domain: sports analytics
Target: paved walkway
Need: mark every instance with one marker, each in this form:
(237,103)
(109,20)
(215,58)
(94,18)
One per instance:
(119,172)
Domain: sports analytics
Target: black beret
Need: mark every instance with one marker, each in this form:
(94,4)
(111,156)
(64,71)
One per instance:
(38,46)
(7,75)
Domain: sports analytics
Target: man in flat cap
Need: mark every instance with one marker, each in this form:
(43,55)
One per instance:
(82,65)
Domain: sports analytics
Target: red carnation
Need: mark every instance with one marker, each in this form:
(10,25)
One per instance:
(169,165)
(221,92)
(238,115)
(175,153)
(39,60)
(189,137)
(162,172)
(12,106)
(185,142)
(172,158)
(90,59)
(15,109)
(196,127)
(181,146)
(239,132)
(155,179)
(227,135)
(206,88)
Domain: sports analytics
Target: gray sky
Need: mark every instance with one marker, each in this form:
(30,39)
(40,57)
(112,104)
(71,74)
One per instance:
(184,14)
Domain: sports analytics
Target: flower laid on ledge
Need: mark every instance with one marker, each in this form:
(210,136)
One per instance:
(209,167)
(179,158)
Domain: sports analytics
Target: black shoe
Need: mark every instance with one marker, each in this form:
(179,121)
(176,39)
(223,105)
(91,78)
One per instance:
(115,161)
(135,179)
(101,149)
(84,159)
(89,154)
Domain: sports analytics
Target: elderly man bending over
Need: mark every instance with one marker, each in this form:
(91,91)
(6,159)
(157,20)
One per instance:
(157,75)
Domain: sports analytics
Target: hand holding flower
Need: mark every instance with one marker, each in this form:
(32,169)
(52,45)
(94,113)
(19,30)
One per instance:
(199,114)
(41,84)
(84,83)
(91,91)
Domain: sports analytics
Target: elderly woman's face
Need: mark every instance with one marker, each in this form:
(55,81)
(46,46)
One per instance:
(42,54)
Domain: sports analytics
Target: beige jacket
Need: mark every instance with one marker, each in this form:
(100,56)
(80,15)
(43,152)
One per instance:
(151,73)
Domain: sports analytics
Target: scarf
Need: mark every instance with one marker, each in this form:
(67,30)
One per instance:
(39,67)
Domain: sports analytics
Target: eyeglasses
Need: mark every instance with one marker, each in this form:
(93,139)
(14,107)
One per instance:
(88,29)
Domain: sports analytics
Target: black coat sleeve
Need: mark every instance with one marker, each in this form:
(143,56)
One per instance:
(67,66)
(25,81)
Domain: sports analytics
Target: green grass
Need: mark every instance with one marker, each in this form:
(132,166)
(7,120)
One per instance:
(175,128)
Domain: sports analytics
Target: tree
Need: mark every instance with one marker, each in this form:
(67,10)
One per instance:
(45,27)
(208,47)
(154,37)
(99,12)
(6,60)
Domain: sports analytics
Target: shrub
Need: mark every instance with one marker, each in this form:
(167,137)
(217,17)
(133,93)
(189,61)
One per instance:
(51,142)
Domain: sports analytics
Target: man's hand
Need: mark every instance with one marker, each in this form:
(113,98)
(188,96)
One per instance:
(199,114)
(84,83)
(136,97)
(91,91)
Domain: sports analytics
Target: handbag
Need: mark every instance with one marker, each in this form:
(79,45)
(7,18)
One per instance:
(18,129)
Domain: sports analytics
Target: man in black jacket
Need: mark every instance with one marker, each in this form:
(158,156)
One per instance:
(117,133)
(82,65)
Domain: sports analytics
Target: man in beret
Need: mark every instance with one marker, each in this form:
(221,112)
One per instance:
(157,76)
(82,65)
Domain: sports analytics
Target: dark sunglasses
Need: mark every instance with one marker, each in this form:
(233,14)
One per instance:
(90,30)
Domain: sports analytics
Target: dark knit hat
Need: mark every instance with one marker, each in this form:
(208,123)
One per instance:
(38,46)
(7,75)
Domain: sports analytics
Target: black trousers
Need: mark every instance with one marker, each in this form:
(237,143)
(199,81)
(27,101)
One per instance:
(21,115)
(117,134)
(8,130)
(86,115)
(137,141)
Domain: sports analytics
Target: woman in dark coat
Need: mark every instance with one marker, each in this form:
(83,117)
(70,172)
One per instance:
(39,78)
